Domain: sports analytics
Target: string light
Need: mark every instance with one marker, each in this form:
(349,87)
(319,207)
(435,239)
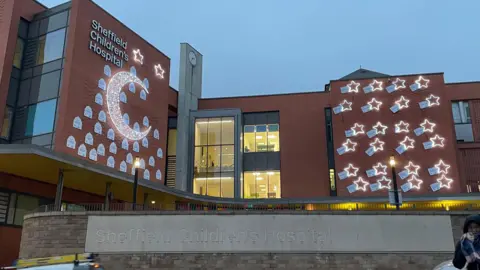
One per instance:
(420,83)
(402,102)
(357,129)
(352,87)
(399,84)
(437,141)
(374,86)
(379,128)
(159,71)
(137,56)
(113,97)
(384,183)
(415,182)
(346,106)
(380,169)
(442,167)
(407,143)
(374,104)
(427,126)
(412,168)
(433,100)
(361,184)
(351,170)
(349,145)
(377,145)
(401,127)
(444,181)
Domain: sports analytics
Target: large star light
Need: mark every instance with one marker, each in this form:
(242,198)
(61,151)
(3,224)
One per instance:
(346,106)
(402,102)
(353,87)
(351,170)
(361,184)
(376,85)
(433,100)
(377,145)
(444,181)
(357,129)
(375,104)
(401,127)
(427,126)
(407,143)
(380,169)
(137,56)
(437,141)
(349,145)
(415,182)
(442,167)
(422,82)
(159,71)
(412,168)
(399,84)
(384,183)
(379,128)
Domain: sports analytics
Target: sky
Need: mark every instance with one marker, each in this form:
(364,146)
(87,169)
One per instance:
(253,47)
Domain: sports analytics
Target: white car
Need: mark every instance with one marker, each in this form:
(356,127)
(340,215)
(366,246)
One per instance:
(446,266)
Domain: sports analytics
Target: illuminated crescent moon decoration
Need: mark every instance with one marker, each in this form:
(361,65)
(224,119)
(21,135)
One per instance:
(117,82)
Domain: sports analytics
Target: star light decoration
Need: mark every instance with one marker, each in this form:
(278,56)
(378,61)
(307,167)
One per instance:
(380,169)
(407,143)
(349,145)
(377,145)
(401,127)
(361,184)
(437,141)
(402,103)
(375,104)
(422,82)
(376,85)
(399,84)
(442,167)
(444,181)
(137,56)
(433,100)
(353,87)
(412,168)
(384,183)
(379,128)
(357,129)
(351,170)
(427,126)
(159,71)
(415,182)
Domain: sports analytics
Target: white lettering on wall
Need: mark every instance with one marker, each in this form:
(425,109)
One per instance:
(108,45)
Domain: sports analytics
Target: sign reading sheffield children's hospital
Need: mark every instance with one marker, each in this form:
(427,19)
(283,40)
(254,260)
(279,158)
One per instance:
(108,45)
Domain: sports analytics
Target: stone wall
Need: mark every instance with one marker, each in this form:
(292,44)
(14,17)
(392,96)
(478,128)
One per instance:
(50,234)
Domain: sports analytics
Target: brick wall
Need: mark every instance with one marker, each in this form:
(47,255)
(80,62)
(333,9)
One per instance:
(64,233)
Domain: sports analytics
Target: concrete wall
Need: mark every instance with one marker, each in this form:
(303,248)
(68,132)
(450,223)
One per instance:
(50,234)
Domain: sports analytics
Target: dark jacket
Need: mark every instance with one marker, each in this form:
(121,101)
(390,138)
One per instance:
(459,259)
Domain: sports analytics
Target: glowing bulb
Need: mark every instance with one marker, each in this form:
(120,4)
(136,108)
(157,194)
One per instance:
(137,164)
(392,161)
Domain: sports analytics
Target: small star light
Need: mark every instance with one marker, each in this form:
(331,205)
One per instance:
(376,85)
(444,181)
(353,87)
(433,100)
(427,126)
(422,82)
(137,56)
(402,102)
(349,145)
(442,167)
(399,84)
(379,128)
(415,182)
(401,127)
(407,143)
(357,129)
(361,184)
(412,168)
(377,145)
(346,106)
(159,71)
(351,170)
(374,104)
(380,169)
(437,141)
(384,183)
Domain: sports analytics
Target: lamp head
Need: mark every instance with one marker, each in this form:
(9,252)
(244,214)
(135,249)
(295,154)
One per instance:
(136,164)
(392,161)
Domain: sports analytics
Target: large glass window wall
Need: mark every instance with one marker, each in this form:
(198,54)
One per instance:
(261,138)
(214,157)
(261,185)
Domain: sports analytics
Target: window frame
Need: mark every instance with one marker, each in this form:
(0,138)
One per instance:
(464,112)
(257,184)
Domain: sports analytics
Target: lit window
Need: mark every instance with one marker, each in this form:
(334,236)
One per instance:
(18,56)
(172,142)
(7,123)
(261,184)
(261,138)
(50,46)
(332,180)
(214,157)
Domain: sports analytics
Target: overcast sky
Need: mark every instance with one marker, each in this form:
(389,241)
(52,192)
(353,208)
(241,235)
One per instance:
(255,47)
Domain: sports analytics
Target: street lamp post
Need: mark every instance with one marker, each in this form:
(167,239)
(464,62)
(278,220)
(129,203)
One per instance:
(394,180)
(136,165)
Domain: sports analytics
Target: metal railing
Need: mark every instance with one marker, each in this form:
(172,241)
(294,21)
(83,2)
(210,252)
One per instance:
(197,207)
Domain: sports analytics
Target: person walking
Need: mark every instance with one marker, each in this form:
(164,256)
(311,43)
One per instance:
(467,250)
